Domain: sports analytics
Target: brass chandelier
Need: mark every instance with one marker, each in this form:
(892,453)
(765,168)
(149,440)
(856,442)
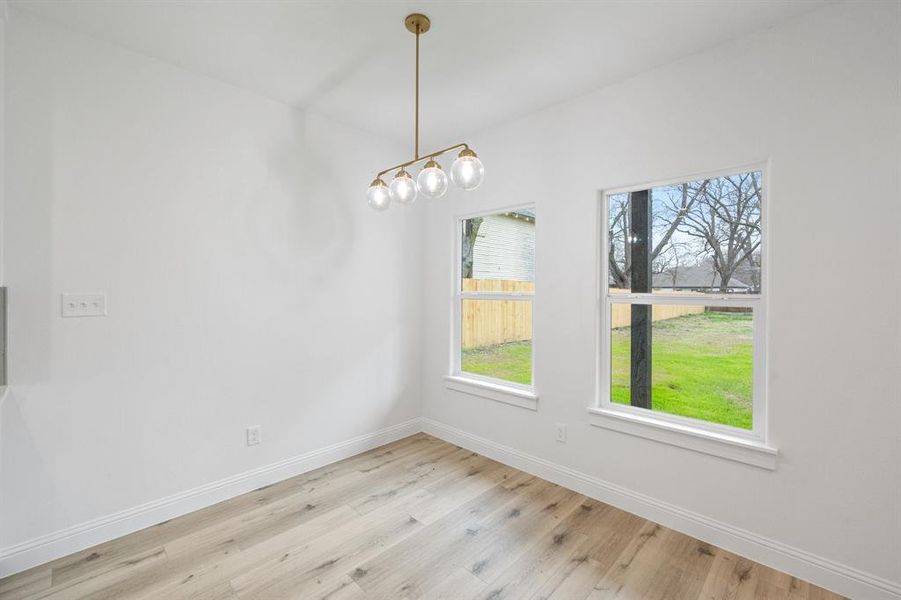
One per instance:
(467,171)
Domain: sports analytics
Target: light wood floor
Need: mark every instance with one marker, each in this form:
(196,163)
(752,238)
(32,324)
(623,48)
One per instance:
(418,518)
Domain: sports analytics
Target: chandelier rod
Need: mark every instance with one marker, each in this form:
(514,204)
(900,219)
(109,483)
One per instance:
(421,158)
(416,118)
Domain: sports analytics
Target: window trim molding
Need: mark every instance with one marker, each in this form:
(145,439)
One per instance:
(695,434)
(458,380)
(493,389)
(704,440)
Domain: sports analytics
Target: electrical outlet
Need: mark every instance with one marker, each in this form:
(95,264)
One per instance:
(84,305)
(561,432)
(253,435)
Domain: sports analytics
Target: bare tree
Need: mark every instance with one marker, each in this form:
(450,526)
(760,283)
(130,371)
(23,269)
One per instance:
(754,267)
(620,250)
(727,222)
(670,209)
(470,233)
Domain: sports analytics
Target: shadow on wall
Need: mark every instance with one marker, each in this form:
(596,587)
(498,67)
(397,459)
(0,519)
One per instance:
(303,220)
(301,224)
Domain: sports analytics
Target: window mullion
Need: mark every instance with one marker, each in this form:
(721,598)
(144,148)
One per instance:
(497,295)
(699,300)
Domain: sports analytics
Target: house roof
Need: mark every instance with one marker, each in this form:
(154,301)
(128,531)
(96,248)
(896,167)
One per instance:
(696,276)
(528,215)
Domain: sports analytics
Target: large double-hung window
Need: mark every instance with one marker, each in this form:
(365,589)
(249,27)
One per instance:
(683,310)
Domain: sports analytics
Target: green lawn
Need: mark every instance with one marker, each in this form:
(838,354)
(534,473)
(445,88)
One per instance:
(701,365)
(510,362)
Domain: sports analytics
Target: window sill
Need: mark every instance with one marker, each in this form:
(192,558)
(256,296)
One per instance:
(734,448)
(493,391)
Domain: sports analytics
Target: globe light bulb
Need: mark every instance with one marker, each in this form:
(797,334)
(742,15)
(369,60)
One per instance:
(403,188)
(432,180)
(467,171)
(377,195)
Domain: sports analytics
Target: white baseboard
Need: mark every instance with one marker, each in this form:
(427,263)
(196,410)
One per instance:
(820,571)
(31,553)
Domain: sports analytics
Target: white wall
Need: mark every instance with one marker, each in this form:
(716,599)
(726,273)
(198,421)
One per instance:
(819,98)
(248,283)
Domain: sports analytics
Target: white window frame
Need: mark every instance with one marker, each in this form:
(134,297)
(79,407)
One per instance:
(749,446)
(508,392)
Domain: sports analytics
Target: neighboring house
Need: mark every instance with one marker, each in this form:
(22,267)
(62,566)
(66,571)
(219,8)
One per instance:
(699,278)
(505,247)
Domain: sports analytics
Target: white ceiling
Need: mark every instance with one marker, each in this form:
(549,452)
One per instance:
(482,62)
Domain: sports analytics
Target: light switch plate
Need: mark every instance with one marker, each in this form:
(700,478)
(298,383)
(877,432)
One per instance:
(84,305)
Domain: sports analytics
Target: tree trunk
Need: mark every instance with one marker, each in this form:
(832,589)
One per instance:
(470,233)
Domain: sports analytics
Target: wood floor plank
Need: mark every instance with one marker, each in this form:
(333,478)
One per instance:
(418,518)
(574,582)
(325,559)
(540,509)
(538,564)
(660,563)
(608,531)
(730,578)
(773,584)
(30,582)
(459,466)
(460,486)
(95,584)
(290,544)
(344,589)
(460,584)
(426,559)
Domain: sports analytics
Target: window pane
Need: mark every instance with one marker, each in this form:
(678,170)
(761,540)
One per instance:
(701,361)
(704,236)
(496,339)
(498,252)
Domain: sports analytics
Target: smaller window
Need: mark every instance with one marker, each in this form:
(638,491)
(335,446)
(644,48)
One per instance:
(493,303)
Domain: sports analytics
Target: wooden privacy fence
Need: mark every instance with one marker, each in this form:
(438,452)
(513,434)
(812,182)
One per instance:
(491,322)
(621,315)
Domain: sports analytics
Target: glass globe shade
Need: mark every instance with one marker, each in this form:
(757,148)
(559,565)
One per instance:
(467,171)
(403,188)
(432,180)
(377,195)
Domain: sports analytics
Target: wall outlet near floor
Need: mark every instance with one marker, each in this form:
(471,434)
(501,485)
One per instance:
(253,435)
(561,432)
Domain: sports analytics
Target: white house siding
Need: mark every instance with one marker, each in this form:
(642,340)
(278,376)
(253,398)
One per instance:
(505,249)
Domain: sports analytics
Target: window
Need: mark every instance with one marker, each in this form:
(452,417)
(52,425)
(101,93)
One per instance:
(495,284)
(683,305)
